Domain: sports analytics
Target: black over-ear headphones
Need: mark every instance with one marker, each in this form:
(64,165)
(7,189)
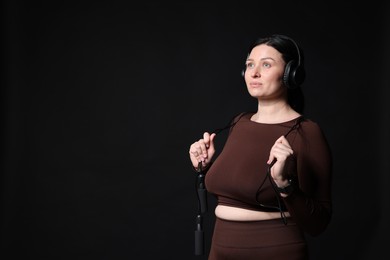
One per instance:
(294,72)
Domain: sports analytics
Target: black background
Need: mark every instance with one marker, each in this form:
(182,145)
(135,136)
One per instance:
(101,100)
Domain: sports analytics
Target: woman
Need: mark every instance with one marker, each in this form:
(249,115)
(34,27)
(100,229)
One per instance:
(272,179)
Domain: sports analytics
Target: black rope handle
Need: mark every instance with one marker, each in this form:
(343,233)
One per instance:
(201,193)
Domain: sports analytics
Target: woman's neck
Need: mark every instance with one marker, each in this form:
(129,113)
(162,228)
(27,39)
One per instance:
(274,112)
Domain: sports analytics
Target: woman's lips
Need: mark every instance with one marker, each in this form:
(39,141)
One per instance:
(255,84)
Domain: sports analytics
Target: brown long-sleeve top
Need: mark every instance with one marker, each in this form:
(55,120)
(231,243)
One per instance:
(237,173)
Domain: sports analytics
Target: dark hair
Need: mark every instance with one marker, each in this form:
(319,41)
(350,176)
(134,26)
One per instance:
(290,50)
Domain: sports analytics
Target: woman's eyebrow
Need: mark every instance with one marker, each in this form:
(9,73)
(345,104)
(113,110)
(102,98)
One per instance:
(265,58)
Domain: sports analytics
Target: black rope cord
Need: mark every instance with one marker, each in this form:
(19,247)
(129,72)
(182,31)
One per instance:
(269,177)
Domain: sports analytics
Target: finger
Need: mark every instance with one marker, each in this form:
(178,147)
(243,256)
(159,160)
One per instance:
(283,140)
(279,150)
(202,149)
(212,136)
(206,138)
(196,148)
(280,139)
(282,149)
(271,159)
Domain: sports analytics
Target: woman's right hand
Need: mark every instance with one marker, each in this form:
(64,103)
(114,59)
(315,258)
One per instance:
(202,150)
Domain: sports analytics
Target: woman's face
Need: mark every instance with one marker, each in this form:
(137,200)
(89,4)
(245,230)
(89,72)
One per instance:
(264,73)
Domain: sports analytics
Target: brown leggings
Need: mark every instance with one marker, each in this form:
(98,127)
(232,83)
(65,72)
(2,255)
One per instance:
(247,240)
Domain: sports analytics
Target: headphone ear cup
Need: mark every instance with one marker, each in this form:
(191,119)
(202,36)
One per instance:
(294,75)
(288,74)
(299,76)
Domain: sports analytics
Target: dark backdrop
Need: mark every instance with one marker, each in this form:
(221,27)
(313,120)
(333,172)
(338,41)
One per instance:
(101,100)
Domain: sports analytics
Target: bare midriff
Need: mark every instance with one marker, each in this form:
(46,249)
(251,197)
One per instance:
(240,214)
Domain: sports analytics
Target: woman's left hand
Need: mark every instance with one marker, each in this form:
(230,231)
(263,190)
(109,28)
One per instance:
(282,152)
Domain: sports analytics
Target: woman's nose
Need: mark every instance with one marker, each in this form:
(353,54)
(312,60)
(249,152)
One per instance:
(255,73)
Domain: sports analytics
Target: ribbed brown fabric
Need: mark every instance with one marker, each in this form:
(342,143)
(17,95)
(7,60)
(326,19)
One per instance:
(257,240)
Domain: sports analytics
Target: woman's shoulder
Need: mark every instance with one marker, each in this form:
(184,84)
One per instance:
(310,123)
(246,115)
(311,127)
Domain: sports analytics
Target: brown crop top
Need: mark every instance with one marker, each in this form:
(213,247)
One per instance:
(236,174)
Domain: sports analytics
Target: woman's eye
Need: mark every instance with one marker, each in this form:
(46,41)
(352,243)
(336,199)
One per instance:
(250,65)
(266,65)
